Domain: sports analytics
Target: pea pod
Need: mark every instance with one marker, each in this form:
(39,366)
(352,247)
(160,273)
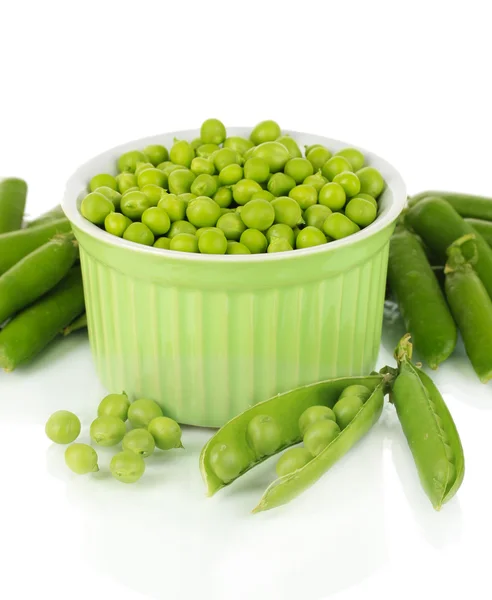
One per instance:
(471,307)
(79,323)
(36,274)
(429,428)
(484,228)
(286,409)
(467,205)
(51,215)
(13,194)
(421,300)
(31,330)
(17,244)
(439,225)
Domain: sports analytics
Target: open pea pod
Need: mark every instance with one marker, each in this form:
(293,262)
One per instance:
(286,409)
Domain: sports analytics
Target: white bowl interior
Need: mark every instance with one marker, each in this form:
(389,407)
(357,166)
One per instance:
(391,201)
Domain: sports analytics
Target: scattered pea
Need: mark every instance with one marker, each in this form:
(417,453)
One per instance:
(63,427)
(114,405)
(142,411)
(127,466)
(107,430)
(166,433)
(139,441)
(81,459)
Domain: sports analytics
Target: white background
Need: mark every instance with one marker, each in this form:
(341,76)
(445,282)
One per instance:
(411,81)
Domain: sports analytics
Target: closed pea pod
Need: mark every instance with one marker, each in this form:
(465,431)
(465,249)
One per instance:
(228,454)
(13,193)
(429,429)
(422,303)
(467,205)
(471,307)
(51,215)
(484,228)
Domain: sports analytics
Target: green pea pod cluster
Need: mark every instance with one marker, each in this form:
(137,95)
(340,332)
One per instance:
(429,428)
(286,410)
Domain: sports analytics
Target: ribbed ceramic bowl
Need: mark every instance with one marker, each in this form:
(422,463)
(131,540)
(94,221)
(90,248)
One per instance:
(207,336)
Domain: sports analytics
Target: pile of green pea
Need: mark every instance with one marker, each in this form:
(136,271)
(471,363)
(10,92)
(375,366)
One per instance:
(319,426)
(231,195)
(151,430)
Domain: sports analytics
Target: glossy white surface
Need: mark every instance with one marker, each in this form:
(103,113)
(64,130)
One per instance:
(411,82)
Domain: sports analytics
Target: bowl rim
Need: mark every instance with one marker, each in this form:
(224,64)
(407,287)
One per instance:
(77,184)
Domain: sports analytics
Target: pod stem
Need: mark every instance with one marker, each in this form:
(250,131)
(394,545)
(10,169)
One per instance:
(462,254)
(404,349)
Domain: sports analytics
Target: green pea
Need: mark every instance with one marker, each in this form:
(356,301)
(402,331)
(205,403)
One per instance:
(254,240)
(266,131)
(127,466)
(354,156)
(230,175)
(281,231)
(199,232)
(231,225)
(304,195)
(139,441)
(165,164)
(81,459)
(167,170)
(103,180)
(310,236)
(187,197)
(174,206)
(307,149)
(356,390)
(95,208)
(317,181)
(315,215)
(319,435)
(212,131)
(264,435)
(224,157)
(202,166)
(274,154)
(143,166)
(239,144)
(299,169)
(107,431)
(110,194)
(212,242)
(63,427)
(280,184)
(318,156)
(114,405)
(244,189)
(346,408)
(263,195)
(184,242)
(292,460)
(142,411)
(153,192)
(204,185)
(256,169)
(203,212)
(206,150)
(196,143)
(312,415)
(127,162)
(291,145)
(139,233)
(350,183)
(237,248)
(249,153)
(180,181)
(333,196)
(371,181)
(134,204)
(361,212)
(338,226)
(116,224)
(369,198)
(157,220)
(163,242)
(223,197)
(182,153)
(166,433)
(287,211)
(258,214)
(226,462)
(179,227)
(156,154)
(334,166)
(126,181)
(279,245)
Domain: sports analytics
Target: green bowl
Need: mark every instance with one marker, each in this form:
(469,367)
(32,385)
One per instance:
(207,336)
